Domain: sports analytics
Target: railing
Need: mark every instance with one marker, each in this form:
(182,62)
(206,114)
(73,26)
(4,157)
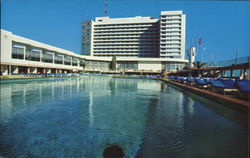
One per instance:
(241,60)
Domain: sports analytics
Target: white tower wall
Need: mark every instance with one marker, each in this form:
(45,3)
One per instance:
(191,54)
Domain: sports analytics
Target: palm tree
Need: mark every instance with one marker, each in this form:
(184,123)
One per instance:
(113,63)
(84,64)
(199,64)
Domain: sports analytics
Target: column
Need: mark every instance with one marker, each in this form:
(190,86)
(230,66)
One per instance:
(231,73)
(53,58)
(9,70)
(241,74)
(40,56)
(244,73)
(24,53)
(63,59)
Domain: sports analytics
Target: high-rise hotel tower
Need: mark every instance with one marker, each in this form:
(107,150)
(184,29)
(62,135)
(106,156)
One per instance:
(136,36)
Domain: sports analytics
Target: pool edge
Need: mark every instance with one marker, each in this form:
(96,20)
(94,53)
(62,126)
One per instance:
(236,104)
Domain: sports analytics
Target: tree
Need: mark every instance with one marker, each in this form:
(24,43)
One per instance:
(113,63)
(84,65)
(199,64)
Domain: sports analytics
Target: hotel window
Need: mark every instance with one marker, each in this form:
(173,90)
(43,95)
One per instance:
(58,59)
(47,57)
(33,54)
(75,62)
(18,51)
(81,62)
(67,60)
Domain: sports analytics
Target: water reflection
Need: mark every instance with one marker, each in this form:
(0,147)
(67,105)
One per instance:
(118,118)
(79,117)
(17,95)
(190,105)
(4,100)
(164,87)
(52,114)
(91,115)
(165,123)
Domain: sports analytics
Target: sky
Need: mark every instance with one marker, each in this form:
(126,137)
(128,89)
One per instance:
(223,26)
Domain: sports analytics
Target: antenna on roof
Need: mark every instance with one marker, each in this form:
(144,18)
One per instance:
(106,8)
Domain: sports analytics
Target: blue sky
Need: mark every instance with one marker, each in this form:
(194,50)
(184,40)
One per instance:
(222,25)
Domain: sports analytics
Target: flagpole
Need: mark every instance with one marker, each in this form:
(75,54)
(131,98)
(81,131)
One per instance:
(199,45)
(237,56)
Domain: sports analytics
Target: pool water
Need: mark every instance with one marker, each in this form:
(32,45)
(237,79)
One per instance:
(79,117)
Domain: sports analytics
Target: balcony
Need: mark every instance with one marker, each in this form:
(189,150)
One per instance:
(127,40)
(170,42)
(126,29)
(123,26)
(125,33)
(171,17)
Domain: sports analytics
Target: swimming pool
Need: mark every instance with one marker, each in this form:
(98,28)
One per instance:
(80,116)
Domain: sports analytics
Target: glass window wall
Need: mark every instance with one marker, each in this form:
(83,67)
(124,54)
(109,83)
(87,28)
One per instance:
(67,60)
(97,65)
(127,65)
(58,59)
(32,54)
(173,66)
(47,57)
(18,51)
(75,62)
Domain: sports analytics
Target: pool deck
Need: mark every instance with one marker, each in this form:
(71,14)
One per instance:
(7,77)
(16,77)
(237,104)
(13,77)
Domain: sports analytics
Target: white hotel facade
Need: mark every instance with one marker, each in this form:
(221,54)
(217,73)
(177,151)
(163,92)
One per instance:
(136,36)
(139,43)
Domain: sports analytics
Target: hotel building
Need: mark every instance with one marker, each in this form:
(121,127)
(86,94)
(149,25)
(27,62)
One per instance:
(139,44)
(136,36)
